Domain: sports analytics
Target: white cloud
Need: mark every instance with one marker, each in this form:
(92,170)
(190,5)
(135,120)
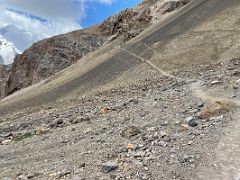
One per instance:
(106,1)
(61,15)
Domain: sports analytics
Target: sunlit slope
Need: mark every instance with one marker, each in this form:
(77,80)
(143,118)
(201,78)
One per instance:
(204,31)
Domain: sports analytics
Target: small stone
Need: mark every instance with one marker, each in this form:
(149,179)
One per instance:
(162,143)
(80,120)
(215,82)
(6,142)
(177,122)
(64,173)
(218,118)
(189,119)
(185,126)
(130,147)
(134,101)
(137,162)
(40,131)
(130,132)
(163,133)
(33,175)
(188,159)
(236,73)
(138,154)
(200,104)
(21,177)
(109,166)
(167,138)
(193,123)
(143,176)
(56,123)
(151,129)
(235,86)
(233,96)
(104,110)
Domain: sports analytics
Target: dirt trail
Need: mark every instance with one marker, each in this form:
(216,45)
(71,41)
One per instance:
(226,162)
(226,165)
(142,60)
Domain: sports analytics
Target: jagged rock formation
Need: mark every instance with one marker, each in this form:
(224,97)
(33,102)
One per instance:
(49,56)
(3,79)
(127,24)
(131,22)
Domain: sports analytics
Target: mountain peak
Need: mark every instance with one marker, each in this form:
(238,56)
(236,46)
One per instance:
(14,40)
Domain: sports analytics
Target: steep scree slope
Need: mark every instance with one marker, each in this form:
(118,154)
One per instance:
(49,56)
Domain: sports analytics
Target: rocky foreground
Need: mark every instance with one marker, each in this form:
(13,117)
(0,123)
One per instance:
(162,128)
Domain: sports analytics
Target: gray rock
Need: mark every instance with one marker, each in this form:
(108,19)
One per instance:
(191,121)
(22,177)
(151,129)
(162,143)
(109,166)
(56,123)
(64,173)
(188,159)
(80,120)
(130,131)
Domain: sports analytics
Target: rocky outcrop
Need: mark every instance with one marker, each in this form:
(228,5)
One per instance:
(3,79)
(127,24)
(49,56)
(171,6)
(131,22)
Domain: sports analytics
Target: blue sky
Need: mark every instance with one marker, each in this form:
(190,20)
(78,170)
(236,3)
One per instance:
(45,18)
(96,12)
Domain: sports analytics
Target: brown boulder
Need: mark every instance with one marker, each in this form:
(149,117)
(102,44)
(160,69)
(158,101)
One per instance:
(216,108)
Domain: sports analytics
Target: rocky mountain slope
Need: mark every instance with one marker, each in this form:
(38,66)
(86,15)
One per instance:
(3,78)
(49,56)
(164,105)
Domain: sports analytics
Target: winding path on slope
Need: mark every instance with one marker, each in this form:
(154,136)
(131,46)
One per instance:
(226,166)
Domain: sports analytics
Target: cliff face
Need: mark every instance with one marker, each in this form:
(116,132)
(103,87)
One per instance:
(49,56)
(3,79)
(131,22)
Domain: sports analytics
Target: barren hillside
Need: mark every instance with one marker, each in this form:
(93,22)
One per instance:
(163,105)
(49,56)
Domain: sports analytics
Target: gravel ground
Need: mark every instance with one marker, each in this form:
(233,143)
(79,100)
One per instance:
(148,130)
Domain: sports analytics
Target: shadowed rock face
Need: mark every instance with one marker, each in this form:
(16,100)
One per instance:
(49,56)
(3,79)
